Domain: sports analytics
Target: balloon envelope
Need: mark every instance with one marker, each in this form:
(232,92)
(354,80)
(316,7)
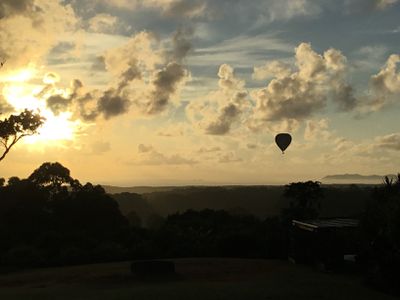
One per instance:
(283,141)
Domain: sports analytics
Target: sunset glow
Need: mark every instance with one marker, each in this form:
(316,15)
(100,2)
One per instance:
(21,95)
(194,92)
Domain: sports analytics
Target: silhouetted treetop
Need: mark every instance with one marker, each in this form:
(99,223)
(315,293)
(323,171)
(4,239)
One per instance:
(15,127)
(53,176)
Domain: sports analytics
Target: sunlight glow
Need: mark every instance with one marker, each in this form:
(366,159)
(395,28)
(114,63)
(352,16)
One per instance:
(21,95)
(56,128)
(22,75)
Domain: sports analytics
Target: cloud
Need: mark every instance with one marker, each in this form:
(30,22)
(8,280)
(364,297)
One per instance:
(100,147)
(142,148)
(99,64)
(299,94)
(231,51)
(173,130)
(170,8)
(58,103)
(252,146)
(30,29)
(148,76)
(166,83)
(12,7)
(186,9)
(317,130)
(222,108)
(368,5)
(272,69)
(112,104)
(288,9)
(390,141)
(383,4)
(148,156)
(161,84)
(203,150)
(182,44)
(387,81)
(103,23)
(384,87)
(229,157)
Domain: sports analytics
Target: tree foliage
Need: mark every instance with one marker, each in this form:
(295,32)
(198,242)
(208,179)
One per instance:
(54,177)
(15,127)
(305,199)
(380,227)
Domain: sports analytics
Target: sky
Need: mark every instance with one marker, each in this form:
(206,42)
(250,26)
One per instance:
(181,92)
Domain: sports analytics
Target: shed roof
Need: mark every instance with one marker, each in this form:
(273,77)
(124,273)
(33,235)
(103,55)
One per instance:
(312,225)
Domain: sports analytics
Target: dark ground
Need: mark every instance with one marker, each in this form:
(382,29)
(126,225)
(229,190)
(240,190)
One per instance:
(206,278)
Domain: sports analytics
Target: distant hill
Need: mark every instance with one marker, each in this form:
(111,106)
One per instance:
(137,189)
(355,178)
(342,200)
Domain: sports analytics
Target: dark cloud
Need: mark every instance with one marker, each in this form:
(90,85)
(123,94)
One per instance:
(99,63)
(112,104)
(131,73)
(345,98)
(85,108)
(181,43)
(58,104)
(165,85)
(222,125)
(62,48)
(11,7)
(142,148)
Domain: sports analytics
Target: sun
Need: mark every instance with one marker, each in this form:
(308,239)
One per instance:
(22,95)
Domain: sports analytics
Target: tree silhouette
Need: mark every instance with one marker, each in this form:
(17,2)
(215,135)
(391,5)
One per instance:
(380,228)
(305,199)
(15,127)
(53,177)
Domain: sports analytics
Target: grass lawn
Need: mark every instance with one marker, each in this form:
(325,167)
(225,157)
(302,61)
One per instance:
(205,278)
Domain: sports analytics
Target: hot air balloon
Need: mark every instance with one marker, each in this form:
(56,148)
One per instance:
(283,141)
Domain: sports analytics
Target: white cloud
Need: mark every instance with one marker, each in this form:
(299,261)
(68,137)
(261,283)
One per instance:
(305,91)
(29,29)
(222,108)
(317,130)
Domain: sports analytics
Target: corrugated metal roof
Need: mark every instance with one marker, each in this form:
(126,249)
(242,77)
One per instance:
(326,223)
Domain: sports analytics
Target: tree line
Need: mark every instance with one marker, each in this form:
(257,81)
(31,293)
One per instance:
(51,219)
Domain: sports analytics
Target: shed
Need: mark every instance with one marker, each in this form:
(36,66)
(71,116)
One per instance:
(323,241)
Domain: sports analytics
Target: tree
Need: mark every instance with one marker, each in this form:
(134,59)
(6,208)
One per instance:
(380,228)
(15,127)
(54,177)
(305,198)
